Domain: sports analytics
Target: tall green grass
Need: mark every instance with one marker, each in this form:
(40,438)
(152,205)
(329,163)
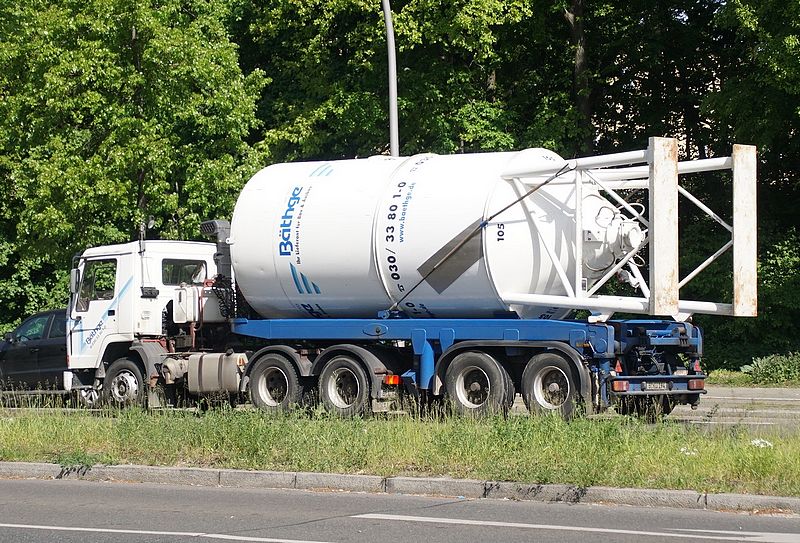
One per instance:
(615,452)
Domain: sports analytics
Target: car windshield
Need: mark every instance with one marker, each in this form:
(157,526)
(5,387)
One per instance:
(33,328)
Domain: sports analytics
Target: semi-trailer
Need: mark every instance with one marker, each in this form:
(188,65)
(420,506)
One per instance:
(471,277)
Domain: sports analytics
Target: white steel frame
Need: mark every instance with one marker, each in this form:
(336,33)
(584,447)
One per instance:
(656,170)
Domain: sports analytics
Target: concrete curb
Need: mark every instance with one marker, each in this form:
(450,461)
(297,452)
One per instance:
(430,486)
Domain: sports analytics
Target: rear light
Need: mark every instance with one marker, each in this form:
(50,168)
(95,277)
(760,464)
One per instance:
(620,386)
(696,384)
(391,380)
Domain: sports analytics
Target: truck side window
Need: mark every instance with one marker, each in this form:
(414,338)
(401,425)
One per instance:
(32,328)
(97,282)
(176,271)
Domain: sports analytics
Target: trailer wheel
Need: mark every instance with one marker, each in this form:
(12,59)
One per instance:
(344,387)
(548,386)
(511,392)
(274,385)
(124,385)
(477,384)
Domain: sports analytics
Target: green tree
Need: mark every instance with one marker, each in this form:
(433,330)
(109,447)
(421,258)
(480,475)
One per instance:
(113,111)
(461,84)
(757,100)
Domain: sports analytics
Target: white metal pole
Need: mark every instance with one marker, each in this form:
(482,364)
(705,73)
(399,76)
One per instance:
(394,146)
(745,227)
(663,231)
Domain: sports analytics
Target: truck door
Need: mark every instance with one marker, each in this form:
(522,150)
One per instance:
(53,353)
(20,368)
(94,311)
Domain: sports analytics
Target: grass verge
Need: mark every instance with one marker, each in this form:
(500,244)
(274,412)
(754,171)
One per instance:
(615,452)
(729,378)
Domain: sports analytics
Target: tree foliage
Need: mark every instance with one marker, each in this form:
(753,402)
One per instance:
(112,111)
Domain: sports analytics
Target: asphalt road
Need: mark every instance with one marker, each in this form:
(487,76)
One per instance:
(767,409)
(79,511)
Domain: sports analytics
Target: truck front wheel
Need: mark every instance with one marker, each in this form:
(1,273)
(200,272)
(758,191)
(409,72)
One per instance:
(344,387)
(274,385)
(124,385)
(548,385)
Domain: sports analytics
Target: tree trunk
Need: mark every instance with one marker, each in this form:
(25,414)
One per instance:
(580,75)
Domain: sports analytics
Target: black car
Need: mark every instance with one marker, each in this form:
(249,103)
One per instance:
(34,356)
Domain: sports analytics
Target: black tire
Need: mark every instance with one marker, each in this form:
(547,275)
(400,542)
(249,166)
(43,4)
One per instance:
(274,385)
(477,385)
(549,386)
(344,387)
(124,385)
(511,392)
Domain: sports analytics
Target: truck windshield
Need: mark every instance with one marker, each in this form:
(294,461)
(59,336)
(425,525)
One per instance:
(176,271)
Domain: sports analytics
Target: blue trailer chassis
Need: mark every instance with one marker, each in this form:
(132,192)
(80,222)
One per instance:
(602,347)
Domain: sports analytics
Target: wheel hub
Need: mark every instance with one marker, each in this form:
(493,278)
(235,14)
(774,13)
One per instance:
(551,388)
(473,388)
(274,387)
(344,388)
(124,387)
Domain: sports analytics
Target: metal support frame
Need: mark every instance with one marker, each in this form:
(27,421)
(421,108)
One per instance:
(663,207)
(660,177)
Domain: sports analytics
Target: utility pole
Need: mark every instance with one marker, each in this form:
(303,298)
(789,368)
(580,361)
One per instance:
(394,146)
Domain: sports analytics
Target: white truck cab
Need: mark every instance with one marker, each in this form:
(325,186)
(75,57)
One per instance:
(125,302)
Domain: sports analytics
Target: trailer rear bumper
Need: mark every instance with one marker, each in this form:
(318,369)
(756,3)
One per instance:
(656,385)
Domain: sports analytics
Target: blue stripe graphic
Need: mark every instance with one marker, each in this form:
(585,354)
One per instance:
(323,170)
(305,283)
(113,305)
(296,281)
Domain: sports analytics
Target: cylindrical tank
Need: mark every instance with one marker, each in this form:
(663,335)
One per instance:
(353,237)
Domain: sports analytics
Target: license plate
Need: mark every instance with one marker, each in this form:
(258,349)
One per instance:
(663,385)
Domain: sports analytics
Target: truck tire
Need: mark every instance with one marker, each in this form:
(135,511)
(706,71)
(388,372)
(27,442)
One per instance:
(477,385)
(549,386)
(274,385)
(124,385)
(344,387)
(511,392)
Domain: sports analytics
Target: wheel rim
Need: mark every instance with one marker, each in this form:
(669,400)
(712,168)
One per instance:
(273,387)
(343,388)
(124,387)
(473,387)
(89,396)
(551,387)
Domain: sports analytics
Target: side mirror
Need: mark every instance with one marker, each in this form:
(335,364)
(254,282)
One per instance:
(8,336)
(74,280)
